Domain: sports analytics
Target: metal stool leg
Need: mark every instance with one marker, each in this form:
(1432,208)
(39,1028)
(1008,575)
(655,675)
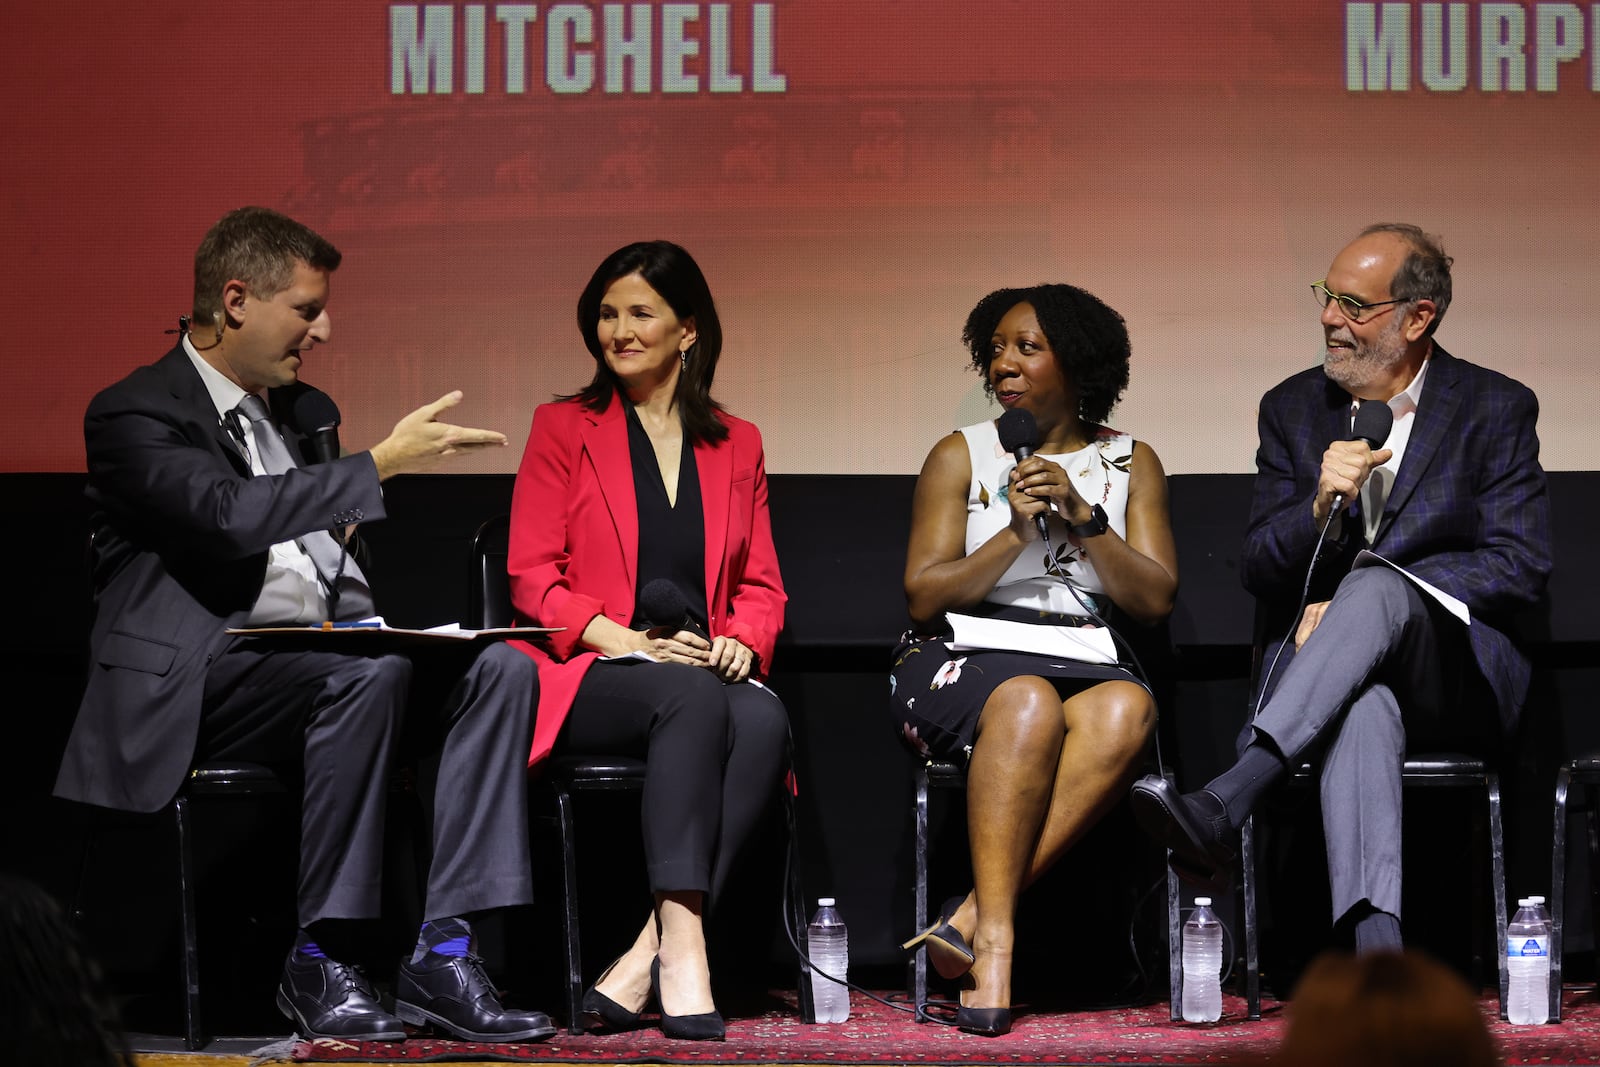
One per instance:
(1252,936)
(1592,801)
(1558,889)
(919,958)
(193,1030)
(796,917)
(1174,943)
(1497,850)
(569,907)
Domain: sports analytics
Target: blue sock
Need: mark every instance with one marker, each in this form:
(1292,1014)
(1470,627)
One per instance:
(449,936)
(307,947)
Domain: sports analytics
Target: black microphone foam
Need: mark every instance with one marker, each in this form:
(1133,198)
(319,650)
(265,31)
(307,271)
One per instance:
(663,603)
(316,415)
(1374,420)
(1019,433)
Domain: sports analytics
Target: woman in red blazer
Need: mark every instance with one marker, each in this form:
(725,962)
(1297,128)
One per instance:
(639,525)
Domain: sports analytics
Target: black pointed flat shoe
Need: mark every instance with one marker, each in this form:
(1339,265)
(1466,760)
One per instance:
(599,1014)
(948,951)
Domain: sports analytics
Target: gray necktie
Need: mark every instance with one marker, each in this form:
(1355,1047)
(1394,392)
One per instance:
(351,594)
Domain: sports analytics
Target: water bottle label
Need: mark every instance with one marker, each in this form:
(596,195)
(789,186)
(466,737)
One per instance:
(1527,947)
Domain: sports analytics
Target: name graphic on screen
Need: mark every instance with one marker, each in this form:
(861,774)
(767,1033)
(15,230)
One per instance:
(1494,47)
(625,48)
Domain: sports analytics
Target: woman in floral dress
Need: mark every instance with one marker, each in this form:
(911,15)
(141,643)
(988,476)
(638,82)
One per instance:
(1050,738)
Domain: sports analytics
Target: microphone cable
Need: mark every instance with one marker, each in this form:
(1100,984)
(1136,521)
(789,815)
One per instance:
(1294,621)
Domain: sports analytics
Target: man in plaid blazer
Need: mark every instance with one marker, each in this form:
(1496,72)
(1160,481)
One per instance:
(1377,663)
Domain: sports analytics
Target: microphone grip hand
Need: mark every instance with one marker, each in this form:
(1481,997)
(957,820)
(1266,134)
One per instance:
(1346,465)
(671,645)
(1039,481)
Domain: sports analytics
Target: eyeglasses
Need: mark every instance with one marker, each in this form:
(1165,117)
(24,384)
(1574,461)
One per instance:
(1351,308)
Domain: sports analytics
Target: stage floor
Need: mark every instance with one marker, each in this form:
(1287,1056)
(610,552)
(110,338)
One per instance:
(880,1035)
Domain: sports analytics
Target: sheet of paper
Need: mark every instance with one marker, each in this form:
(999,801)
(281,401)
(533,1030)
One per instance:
(452,631)
(1085,644)
(1367,557)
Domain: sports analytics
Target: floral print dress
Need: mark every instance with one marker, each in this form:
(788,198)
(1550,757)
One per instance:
(937,694)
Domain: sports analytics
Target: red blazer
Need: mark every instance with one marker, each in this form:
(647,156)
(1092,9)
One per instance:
(575,543)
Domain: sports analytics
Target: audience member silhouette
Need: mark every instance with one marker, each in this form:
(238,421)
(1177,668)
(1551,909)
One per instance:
(53,1009)
(1385,1008)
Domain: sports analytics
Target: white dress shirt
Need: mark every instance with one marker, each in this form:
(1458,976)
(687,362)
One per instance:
(291,592)
(1375,493)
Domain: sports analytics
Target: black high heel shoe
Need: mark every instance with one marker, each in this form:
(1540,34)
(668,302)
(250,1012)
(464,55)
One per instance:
(985,1022)
(600,1014)
(707,1026)
(947,949)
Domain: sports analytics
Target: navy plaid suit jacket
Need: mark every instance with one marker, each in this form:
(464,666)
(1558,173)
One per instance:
(1468,512)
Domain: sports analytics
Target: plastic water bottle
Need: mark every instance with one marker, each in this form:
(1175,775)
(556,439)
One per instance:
(828,945)
(1549,928)
(1528,960)
(1202,964)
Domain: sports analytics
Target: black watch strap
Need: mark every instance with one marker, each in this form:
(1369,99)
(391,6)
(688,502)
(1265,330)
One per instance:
(1096,525)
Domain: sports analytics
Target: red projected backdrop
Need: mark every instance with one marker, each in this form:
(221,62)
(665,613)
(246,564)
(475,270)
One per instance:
(852,175)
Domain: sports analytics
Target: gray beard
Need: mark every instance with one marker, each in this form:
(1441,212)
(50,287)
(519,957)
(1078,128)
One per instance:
(1357,368)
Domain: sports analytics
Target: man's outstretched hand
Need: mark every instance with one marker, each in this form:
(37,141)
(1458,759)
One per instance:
(420,440)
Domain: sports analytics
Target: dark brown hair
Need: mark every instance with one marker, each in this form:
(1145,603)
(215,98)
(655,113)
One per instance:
(672,272)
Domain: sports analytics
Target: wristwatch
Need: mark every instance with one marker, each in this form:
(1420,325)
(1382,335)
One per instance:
(1096,525)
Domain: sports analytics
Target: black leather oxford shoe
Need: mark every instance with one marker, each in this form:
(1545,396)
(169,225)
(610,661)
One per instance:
(326,998)
(1193,825)
(453,994)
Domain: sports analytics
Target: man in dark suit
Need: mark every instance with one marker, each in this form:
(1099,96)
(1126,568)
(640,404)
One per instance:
(1377,662)
(204,520)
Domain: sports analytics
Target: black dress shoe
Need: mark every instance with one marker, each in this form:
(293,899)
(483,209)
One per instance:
(326,998)
(1193,825)
(707,1026)
(452,994)
(947,949)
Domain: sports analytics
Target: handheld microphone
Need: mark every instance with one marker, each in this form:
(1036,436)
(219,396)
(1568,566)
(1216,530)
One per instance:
(663,603)
(1374,420)
(317,416)
(1019,435)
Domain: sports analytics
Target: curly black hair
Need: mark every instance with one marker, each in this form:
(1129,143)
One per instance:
(1090,341)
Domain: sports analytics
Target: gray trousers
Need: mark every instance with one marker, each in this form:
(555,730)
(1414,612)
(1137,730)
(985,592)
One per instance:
(341,719)
(1387,669)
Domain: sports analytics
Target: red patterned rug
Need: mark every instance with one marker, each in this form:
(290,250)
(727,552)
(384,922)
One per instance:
(879,1035)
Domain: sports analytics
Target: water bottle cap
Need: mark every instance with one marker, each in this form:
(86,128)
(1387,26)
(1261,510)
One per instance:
(1536,900)
(1525,902)
(1202,902)
(825,902)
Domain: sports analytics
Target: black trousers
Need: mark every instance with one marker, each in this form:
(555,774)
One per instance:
(341,717)
(714,756)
